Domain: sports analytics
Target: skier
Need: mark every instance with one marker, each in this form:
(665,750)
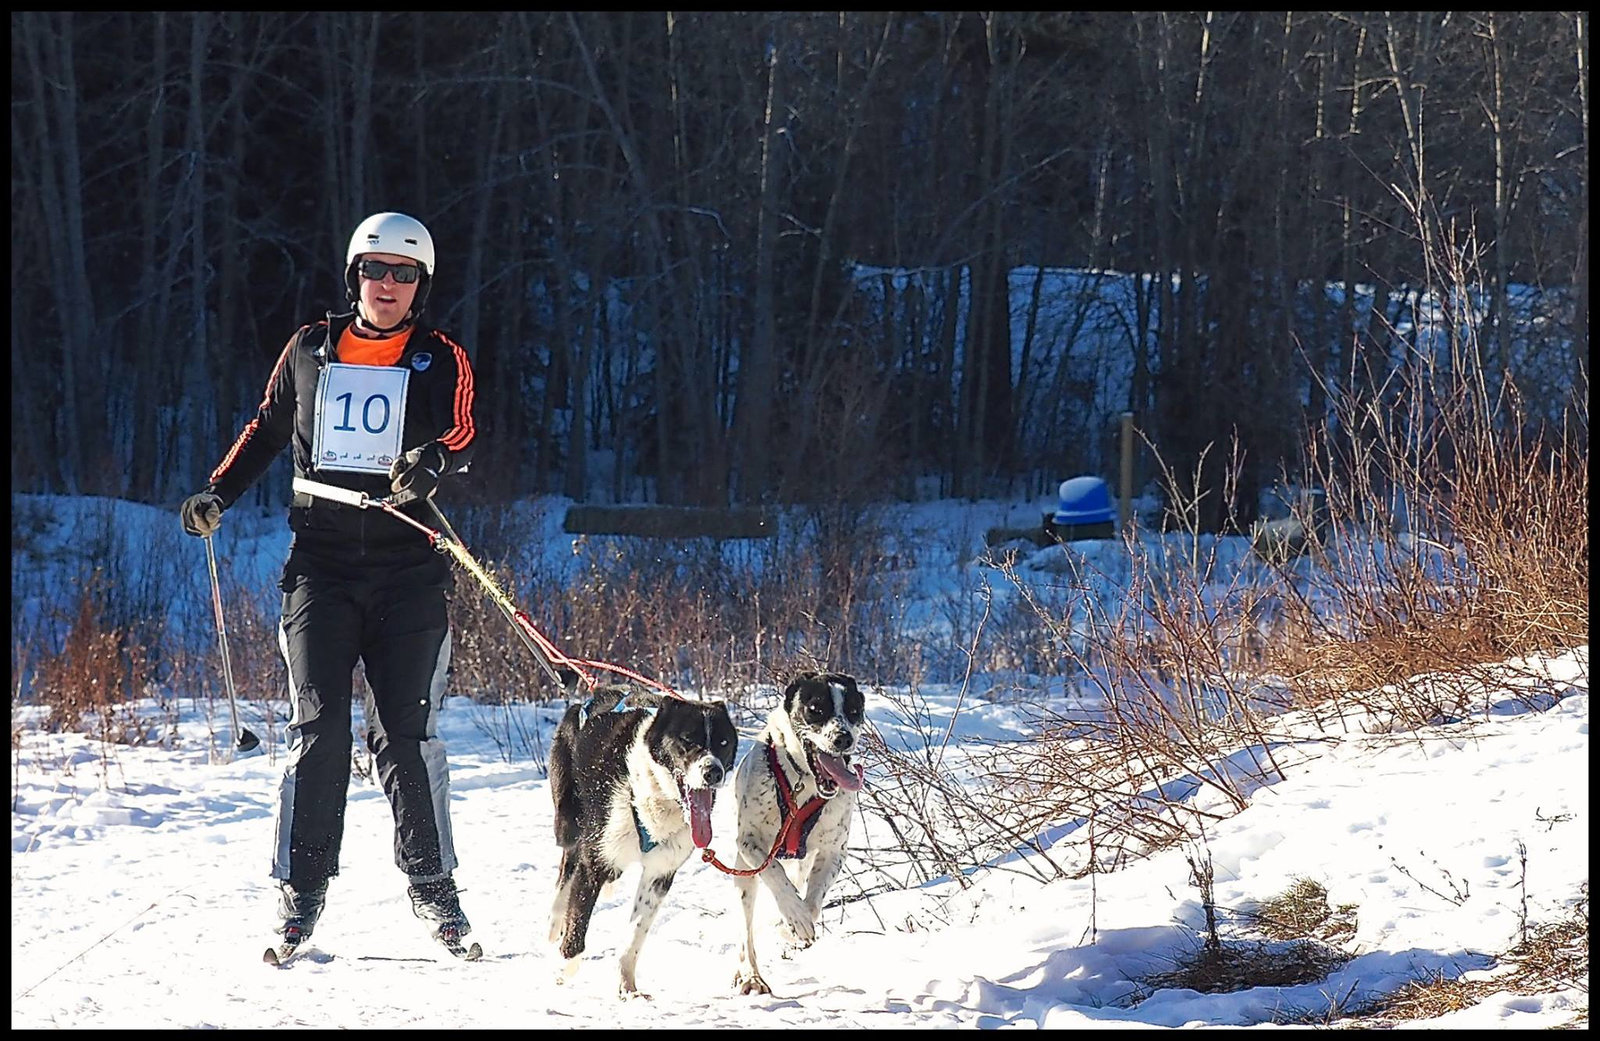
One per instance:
(375,401)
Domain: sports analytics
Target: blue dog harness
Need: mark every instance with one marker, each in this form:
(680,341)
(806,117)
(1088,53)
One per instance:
(621,706)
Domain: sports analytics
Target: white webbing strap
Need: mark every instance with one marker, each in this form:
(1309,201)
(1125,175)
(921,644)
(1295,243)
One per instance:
(348,496)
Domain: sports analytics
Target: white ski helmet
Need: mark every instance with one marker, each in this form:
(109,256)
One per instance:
(394,233)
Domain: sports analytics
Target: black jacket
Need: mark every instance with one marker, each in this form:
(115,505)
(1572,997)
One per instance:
(330,536)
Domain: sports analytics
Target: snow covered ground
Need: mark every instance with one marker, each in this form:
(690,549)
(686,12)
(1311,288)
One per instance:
(140,896)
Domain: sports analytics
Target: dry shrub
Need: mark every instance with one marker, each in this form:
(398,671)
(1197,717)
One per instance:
(1172,699)
(488,661)
(93,682)
(1434,994)
(1452,535)
(941,824)
(1554,957)
(1000,639)
(1291,955)
(1181,678)
(1084,796)
(692,613)
(922,806)
(664,609)
(105,621)
(1301,911)
(1492,562)
(1242,964)
(1458,516)
(734,619)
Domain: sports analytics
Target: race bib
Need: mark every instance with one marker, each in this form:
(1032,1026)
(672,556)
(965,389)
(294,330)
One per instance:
(360,417)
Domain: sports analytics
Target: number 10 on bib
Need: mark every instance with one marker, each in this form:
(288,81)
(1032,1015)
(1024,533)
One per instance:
(360,417)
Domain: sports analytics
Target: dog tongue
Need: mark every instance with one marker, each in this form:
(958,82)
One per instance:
(840,771)
(698,802)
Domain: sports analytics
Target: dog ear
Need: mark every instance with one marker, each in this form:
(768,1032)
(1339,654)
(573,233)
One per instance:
(793,689)
(855,701)
(843,679)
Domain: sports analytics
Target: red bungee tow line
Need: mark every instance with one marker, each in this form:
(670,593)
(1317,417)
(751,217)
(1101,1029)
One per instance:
(549,657)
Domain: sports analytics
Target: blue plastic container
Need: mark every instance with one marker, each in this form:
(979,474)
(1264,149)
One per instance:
(1084,500)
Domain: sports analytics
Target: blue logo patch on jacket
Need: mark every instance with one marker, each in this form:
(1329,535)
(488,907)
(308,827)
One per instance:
(421,360)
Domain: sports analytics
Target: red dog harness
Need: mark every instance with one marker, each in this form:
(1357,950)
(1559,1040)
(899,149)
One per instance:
(793,824)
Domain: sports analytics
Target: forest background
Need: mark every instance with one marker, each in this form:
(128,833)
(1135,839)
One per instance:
(723,258)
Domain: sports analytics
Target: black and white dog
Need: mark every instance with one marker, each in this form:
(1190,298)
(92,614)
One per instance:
(634,776)
(797,779)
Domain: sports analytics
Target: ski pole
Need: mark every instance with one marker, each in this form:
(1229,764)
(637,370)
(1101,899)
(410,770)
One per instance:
(246,739)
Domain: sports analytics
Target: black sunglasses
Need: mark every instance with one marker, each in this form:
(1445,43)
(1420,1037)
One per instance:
(405,274)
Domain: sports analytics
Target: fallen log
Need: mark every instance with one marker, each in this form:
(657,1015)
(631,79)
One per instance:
(669,522)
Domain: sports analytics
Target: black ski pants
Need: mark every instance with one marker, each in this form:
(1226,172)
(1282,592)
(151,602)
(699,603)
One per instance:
(400,633)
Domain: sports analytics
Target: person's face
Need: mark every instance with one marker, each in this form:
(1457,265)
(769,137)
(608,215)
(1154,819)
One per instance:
(385,301)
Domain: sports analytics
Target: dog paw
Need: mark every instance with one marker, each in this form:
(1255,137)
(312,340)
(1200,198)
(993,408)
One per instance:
(751,983)
(629,991)
(800,930)
(569,969)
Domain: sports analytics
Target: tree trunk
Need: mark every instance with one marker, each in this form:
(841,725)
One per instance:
(47,43)
(1580,266)
(151,325)
(753,408)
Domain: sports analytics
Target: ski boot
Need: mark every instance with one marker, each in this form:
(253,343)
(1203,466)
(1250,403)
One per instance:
(299,907)
(437,902)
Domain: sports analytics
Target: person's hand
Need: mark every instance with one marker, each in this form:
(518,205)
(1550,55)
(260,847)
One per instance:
(415,475)
(202,514)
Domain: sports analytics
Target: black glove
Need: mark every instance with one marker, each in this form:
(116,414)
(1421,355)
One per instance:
(201,513)
(415,475)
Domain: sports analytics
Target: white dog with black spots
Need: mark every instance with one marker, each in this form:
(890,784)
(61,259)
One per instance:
(795,792)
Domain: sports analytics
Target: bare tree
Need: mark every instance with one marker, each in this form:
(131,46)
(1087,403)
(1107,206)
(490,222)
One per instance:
(757,384)
(55,170)
(688,214)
